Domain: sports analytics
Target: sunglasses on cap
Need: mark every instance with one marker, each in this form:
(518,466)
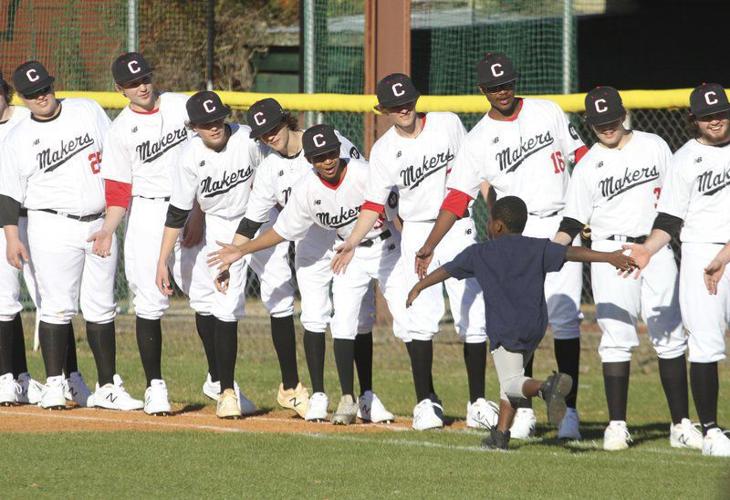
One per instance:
(38,93)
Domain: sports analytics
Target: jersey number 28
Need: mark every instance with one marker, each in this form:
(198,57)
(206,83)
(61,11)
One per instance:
(94,161)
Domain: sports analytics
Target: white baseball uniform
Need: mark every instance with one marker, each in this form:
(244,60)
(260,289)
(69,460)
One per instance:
(527,157)
(419,168)
(315,202)
(142,149)
(615,191)
(221,182)
(696,191)
(10,304)
(52,168)
(272,189)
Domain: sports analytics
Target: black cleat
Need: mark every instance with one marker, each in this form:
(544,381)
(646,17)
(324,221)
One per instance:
(553,391)
(497,440)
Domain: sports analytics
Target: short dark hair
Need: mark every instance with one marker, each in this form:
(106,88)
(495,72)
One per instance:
(7,91)
(512,211)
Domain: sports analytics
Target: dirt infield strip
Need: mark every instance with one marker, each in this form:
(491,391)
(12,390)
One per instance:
(35,419)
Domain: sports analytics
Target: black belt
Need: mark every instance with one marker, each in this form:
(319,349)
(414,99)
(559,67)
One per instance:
(80,218)
(627,239)
(23,212)
(545,216)
(163,198)
(382,236)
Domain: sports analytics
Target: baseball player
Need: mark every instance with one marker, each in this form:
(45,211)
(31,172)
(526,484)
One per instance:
(140,152)
(330,197)
(615,189)
(275,178)
(522,147)
(217,169)
(694,203)
(50,165)
(416,156)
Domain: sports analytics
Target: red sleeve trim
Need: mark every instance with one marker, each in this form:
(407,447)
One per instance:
(579,153)
(456,202)
(375,207)
(118,193)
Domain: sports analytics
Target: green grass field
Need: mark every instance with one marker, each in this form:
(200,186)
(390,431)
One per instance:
(315,464)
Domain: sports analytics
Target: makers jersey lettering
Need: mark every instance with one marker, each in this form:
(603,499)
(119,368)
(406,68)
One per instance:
(336,221)
(150,151)
(710,183)
(411,176)
(611,187)
(510,159)
(50,159)
(210,188)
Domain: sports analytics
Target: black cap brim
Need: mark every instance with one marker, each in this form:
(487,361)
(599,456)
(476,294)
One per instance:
(256,133)
(318,152)
(708,112)
(135,78)
(399,102)
(603,119)
(220,115)
(500,81)
(37,86)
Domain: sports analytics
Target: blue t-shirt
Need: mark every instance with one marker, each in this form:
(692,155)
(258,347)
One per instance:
(511,271)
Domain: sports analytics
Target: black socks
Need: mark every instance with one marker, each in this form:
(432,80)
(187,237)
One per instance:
(421,363)
(475,359)
(20,364)
(226,350)
(71,364)
(344,359)
(149,342)
(673,374)
(364,361)
(567,355)
(206,331)
(705,388)
(102,341)
(7,351)
(282,333)
(54,346)
(314,349)
(616,384)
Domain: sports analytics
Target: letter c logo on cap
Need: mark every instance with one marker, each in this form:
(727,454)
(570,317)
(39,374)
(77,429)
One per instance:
(398,89)
(259,118)
(496,69)
(600,105)
(208,106)
(32,75)
(134,67)
(318,140)
(711,97)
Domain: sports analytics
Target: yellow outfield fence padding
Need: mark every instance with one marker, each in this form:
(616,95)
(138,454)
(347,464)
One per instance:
(571,103)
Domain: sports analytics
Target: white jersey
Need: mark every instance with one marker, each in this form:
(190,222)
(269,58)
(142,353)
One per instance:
(316,202)
(55,164)
(616,190)
(524,157)
(142,148)
(19,114)
(220,181)
(276,176)
(697,190)
(417,167)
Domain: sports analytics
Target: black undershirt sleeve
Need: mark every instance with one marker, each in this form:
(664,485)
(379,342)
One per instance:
(668,223)
(176,217)
(571,227)
(9,211)
(248,228)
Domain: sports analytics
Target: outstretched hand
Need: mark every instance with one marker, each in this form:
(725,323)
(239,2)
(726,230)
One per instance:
(712,275)
(622,262)
(424,256)
(343,255)
(227,255)
(641,257)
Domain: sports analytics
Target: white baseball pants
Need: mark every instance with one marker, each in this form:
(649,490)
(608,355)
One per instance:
(10,278)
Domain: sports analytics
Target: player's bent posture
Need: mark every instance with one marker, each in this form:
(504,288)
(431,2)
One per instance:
(217,169)
(695,198)
(275,178)
(615,189)
(51,166)
(330,197)
(511,270)
(415,156)
(521,147)
(140,151)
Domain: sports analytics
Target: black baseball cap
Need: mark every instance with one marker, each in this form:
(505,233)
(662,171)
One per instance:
(708,99)
(206,107)
(264,116)
(396,89)
(603,105)
(319,139)
(495,69)
(130,67)
(30,77)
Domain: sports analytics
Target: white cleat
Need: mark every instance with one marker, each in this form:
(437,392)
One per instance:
(155,398)
(317,409)
(570,425)
(371,409)
(228,405)
(211,389)
(246,406)
(523,425)
(30,390)
(716,443)
(53,397)
(8,390)
(424,416)
(616,437)
(114,397)
(76,390)
(482,414)
(685,435)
